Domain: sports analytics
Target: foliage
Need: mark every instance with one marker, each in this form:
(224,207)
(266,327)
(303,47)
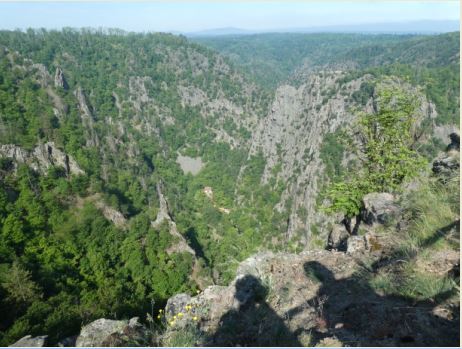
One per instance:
(75,265)
(72,264)
(19,286)
(430,61)
(331,153)
(384,149)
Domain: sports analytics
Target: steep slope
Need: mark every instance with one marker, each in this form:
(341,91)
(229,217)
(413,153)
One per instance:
(403,270)
(294,133)
(283,54)
(100,215)
(99,120)
(431,61)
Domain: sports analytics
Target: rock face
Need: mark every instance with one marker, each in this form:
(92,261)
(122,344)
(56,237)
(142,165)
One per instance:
(107,333)
(338,237)
(87,118)
(379,208)
(60,81)
(305,300)
(41,157)
(292,134)
(446,164)
(443,132)
(455,142)
(112,214)
(164,215)
(29,341)
(356,244)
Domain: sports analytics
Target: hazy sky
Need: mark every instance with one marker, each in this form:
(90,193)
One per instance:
(189,16)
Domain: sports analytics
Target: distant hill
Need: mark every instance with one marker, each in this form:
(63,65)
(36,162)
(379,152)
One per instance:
(284,53)
(412,27)
(222,31)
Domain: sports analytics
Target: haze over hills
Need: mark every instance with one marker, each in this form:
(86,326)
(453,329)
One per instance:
(410,27)
(293,189)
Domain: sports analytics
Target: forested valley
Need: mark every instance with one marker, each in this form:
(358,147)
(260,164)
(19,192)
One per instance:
(101,213)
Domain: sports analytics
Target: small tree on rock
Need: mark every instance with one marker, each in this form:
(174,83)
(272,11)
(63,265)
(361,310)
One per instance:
(384,145)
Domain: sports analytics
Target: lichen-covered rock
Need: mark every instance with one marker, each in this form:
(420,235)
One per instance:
(356,244)
(29,341)
(379,208)
(177,304)
(109,333)
(338,237)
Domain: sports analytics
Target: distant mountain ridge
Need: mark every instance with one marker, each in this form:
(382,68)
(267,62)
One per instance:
(411,27)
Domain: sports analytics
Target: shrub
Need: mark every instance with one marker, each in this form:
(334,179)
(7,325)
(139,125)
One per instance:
(384,147)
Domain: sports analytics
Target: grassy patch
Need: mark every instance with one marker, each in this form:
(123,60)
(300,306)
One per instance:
(432,213)
(431,210)
(412,284)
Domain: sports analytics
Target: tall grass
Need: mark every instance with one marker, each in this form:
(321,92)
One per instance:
(431,210)
(431,213)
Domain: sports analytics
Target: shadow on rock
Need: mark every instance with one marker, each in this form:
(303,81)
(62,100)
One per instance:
(252,322)
(351,311)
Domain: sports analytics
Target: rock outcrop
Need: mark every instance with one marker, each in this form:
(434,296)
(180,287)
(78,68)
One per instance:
(338,237)
(356,244)
(41,158)
(447,164)
(379,208)
(163,215)
(292,134)
(87,118)
(113,333)
(305,300)
(60,81)
(29,341)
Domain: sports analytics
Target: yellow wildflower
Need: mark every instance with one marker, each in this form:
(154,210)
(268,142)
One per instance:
(195,318)
(158,316)
(180,314)
(160,311)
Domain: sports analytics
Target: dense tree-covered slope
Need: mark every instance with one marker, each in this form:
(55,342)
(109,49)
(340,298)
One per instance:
(429,61)
(282,54)
(99,216)
(126,106)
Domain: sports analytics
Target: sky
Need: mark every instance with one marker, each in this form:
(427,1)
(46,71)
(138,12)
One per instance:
(190,16)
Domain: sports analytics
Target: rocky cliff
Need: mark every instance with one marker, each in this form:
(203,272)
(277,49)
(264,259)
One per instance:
(124,226)
(292,134)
